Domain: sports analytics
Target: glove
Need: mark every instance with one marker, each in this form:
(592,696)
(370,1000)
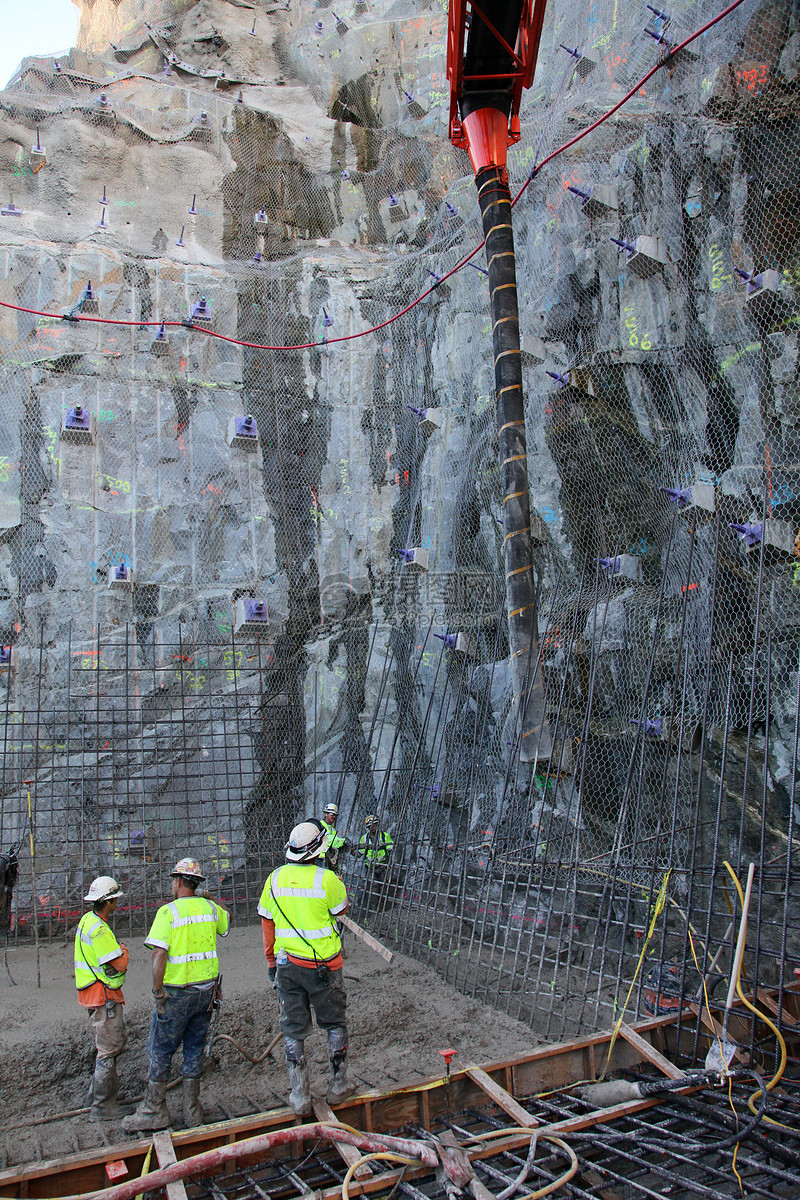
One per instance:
(272,973)
(161,999)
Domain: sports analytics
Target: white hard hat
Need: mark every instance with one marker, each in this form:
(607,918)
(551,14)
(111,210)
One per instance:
(330,807)
(189,868)
(103,888)
(306,842)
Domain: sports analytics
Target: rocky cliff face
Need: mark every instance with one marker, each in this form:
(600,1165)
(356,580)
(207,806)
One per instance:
(290,164)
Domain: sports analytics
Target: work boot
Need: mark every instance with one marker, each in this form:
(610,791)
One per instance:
(152,1112)
(105,1086)
(192,1108)
(300,1095)
(338,1087)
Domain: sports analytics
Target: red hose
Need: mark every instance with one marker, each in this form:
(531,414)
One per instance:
(211,1160)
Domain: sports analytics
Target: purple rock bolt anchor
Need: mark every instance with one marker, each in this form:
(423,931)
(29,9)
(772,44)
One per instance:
(751,535)
(678,495)
(449,639)
(89,302)
(652,727)
(612,565)
(561,379)
(160,343)
(201,313)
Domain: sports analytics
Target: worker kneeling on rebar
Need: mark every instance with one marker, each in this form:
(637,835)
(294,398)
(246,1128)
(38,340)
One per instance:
(100,965)
(183,938)
(304,959)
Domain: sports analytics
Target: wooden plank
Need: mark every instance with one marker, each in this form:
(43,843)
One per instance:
(165,1153)
(771,1003)
(501,1097)
(349,1154)
(649,1052)
(366,938)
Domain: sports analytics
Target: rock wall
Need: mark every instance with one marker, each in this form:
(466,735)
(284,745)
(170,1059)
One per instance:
(291,165)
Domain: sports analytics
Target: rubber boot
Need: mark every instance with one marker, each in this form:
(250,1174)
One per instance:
(300,1095)
(338,1087)
(105,1085)
(192,1108)
(152,1112)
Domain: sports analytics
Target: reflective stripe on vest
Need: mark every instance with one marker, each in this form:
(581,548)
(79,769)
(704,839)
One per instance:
(95,946)
(375,851)
(187,929)
(296,898)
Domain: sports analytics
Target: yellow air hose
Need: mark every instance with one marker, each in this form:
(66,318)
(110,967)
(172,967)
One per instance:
(762,1017)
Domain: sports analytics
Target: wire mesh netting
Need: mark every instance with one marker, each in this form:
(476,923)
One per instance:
(281,178)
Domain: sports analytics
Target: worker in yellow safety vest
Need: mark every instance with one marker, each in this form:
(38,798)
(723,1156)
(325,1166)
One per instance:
(376,844)
(100,965)
(183,938)
(304,959)
(336,843)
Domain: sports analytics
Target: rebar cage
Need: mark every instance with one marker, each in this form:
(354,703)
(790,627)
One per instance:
(283,179)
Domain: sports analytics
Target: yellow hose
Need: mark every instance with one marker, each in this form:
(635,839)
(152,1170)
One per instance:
(762,1017)
(378,1154)
(543,1137)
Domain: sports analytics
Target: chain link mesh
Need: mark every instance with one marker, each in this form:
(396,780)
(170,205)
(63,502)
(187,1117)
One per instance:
(297,175)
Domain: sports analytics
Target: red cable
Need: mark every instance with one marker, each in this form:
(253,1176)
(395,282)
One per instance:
(595,124)
(350,337)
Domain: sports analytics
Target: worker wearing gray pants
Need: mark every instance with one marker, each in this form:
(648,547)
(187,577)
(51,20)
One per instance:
(100,965)
(304,959)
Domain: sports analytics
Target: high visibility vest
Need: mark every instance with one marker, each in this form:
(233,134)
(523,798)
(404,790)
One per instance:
(95,948)
(375,851)
(334,839)
(187,929)
(302,899)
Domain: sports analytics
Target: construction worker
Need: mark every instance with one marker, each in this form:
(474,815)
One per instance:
(304,960)
(100,965)
(376,844)
(336,843)
(183,938)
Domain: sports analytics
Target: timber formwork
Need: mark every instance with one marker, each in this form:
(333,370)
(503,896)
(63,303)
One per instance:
(657,1146)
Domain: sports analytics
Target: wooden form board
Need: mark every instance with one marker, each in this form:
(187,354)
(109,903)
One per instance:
(165,1153)
(501,1097)
(348,1154)
(650,1052)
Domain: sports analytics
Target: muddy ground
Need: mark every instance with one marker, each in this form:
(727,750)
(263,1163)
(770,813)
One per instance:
(400,1016)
